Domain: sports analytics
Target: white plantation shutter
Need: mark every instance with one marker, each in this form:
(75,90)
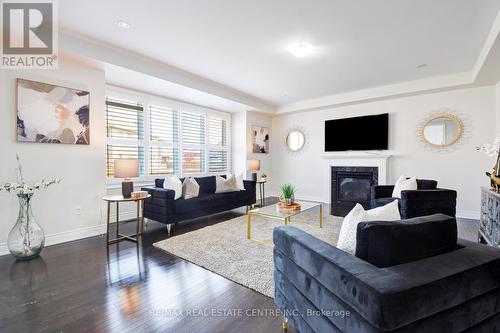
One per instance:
(193,161)
(167,137)
(217,161)
(163,160)
(115,152)
(163,124)
(193,128)
(164,130)
(218,141)
(217,129)
(125,132)
(124,119)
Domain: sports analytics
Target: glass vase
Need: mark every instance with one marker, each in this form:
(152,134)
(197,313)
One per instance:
(26,239)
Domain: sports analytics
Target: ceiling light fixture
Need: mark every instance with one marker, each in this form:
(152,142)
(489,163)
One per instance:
(301,49)
(123,24)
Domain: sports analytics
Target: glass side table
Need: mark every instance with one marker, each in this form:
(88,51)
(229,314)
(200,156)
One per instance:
(140,218)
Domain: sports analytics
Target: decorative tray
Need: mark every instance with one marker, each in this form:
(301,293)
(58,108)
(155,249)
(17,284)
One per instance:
(289,208)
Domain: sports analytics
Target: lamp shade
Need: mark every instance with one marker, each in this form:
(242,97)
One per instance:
(126,168)
(254,165)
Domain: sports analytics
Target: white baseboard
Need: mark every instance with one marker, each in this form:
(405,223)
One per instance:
(66,236)
(468,214)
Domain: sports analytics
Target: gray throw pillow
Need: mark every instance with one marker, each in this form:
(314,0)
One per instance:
(190,188)
(223,185)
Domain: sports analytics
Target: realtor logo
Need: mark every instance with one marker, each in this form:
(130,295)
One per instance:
(29,34)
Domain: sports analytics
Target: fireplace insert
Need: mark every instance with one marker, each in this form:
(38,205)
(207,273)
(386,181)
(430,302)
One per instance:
(351,185)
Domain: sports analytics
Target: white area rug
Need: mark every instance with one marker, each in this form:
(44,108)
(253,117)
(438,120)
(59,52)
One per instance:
(224,249)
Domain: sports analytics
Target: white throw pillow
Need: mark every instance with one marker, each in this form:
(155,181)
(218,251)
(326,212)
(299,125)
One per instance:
(349,228)
(389,212)
(403,184)
(173,183)
(347,236)
(223,185)
(190,188)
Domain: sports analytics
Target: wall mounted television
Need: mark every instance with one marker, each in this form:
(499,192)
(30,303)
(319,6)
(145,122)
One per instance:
(358,133)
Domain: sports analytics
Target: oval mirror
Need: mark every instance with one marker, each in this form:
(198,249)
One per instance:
(295,140)
(442,130)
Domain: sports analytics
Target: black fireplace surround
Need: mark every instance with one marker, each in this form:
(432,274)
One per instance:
(351,185)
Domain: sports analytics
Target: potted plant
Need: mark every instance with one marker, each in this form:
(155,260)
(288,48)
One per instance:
(287,195)
(263,177)
(26,239)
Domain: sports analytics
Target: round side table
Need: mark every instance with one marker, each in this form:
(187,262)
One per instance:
(140,217)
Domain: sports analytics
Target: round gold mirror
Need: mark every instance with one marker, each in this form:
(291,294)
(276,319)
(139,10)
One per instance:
(441,130)
(295,140)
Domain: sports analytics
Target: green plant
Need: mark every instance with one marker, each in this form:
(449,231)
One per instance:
(287,190)
(264,175)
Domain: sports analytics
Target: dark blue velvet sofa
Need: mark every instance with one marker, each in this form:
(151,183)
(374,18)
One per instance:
(426,200)
(162,207)
(320,288)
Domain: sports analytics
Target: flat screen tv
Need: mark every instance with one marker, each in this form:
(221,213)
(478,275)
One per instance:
(358,133)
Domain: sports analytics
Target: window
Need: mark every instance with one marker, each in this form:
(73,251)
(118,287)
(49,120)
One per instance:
(217,139)
(167,137)
(125,132)
(164,140)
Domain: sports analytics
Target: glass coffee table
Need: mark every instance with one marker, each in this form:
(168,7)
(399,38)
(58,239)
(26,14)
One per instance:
(273,212)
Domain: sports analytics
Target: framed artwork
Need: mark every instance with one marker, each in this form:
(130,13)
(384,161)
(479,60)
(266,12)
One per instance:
(52,114)
(260,140)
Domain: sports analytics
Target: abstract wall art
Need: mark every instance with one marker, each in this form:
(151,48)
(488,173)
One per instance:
(52,114)
(260,140)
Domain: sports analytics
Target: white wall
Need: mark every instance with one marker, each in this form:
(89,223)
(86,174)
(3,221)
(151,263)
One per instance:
(239,143)
(81,168)
(462,169)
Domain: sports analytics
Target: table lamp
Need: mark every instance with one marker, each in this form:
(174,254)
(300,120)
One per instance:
(254,166)
(127,168)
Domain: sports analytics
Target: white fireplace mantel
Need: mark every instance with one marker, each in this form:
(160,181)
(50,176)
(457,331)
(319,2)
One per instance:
(363,159)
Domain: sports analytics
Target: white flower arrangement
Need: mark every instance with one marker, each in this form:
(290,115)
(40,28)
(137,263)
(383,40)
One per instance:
(21,187)
(490,149)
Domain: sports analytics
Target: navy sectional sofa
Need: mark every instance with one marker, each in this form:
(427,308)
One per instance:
(320,288)
(162,207)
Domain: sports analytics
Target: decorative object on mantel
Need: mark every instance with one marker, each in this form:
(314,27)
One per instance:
(52,114)
(443,130)
(260,136)
(492,150)
(296,140)
(287,195)
(26,239)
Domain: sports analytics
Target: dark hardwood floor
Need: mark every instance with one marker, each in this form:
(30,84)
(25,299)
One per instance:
(82,286)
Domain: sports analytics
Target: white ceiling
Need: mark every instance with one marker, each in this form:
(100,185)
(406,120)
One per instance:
(243,44)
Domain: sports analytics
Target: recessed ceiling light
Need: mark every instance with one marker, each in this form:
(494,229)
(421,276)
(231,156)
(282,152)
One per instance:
(301,49)
(123,24)
(422,66)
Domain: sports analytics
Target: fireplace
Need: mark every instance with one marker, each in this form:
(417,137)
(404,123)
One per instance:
(351,185)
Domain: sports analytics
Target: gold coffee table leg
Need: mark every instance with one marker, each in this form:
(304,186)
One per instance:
(249,226)
(320,215)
